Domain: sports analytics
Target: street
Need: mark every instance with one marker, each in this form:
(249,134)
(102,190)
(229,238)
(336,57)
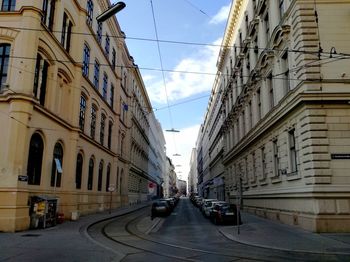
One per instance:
(128,234)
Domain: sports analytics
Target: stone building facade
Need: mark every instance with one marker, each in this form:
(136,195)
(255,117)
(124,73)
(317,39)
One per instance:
(66,85)
(285,103)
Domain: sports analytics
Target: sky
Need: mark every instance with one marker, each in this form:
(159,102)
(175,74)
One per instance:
(179,95)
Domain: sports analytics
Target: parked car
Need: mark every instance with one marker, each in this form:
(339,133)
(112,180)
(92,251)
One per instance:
(225,213)
(160,208)
(198,201)
(209,206)
(205,203)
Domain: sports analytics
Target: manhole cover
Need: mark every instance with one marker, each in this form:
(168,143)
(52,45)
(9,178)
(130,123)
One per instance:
(31,235)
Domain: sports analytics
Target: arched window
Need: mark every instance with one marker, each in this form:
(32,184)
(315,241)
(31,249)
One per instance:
(78,171)
(35,158)
(57,163)
(108,176)
(100,173)
(91,174)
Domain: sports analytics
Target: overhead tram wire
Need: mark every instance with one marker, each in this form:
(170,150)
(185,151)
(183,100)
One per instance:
(154,109)
(197,8)
(181,42)
(163,72)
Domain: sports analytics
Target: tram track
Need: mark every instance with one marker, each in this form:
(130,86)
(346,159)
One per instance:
(123,236)
(124,232)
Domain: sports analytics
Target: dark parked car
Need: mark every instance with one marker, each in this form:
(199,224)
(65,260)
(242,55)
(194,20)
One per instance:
(225,213)
(160,208)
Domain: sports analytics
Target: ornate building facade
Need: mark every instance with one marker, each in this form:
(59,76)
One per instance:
(66,85)
(285,109)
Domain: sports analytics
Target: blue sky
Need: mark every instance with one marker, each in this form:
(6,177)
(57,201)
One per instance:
(187,94)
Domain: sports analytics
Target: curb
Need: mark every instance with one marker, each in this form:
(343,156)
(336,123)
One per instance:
(229,236)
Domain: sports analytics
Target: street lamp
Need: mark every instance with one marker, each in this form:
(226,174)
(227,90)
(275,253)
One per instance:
(176,154)
(110,12)
(172,130)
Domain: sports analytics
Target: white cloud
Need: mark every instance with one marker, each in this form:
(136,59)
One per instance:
(221,16)
(182,85)
(181,143)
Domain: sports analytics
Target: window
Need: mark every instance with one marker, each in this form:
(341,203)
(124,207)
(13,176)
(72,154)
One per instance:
(102,129)
(105,86)
(114,58)
(108,176)
(96,74)
(121,144)
(40,79)
(100,173)
(35,158)
(250,115)
(90,12)
(91,174)
(267,24)
(110,128)
(275,157)
(123,108)
(263,163)
(82,113)
(123,82)
(99,32)
(258,97)
(4,63)
(292,151)
(86,60)
(253,167)
(78,171)
(48,13)
(271,93)
(111,96)
(107,45)
(281,8)
(57,159)
(8,5)
(66,32)
(93,122)
(285,71)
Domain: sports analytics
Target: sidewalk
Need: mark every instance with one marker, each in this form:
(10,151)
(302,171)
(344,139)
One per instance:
(260,232)
(64,242)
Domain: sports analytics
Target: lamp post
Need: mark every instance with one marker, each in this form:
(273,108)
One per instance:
(110,12)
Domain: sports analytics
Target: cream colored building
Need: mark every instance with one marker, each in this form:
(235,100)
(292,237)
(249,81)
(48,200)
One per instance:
(285,106)
(65,92)
(193,174)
